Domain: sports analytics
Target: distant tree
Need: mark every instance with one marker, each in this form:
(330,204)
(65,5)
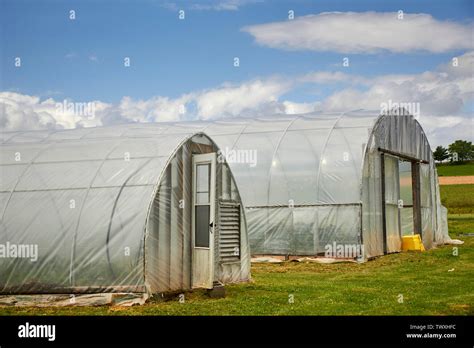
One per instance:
(440,154)
(463,148)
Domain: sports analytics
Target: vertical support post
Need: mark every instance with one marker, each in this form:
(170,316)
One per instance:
(415,177)
(186,221)
(175,219)
(384,217)
(164,230)
(397,174)
(169,232)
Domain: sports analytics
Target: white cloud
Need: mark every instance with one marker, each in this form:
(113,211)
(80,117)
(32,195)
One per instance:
(364,32)
(155,109)
(292,108)
(18,111)
(232,100)
(327,77)
(444,130)
(441,92)
(442,95)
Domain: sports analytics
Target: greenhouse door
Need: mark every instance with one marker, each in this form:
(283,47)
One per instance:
(391,204)
(401,205)
(203,208)
(410,193)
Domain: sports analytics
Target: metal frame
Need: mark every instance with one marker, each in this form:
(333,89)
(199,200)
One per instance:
(416,197)
(384,213)
(303,205)
(406,157)
(416,193)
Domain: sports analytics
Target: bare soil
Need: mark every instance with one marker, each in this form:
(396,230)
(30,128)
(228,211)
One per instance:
(456,180)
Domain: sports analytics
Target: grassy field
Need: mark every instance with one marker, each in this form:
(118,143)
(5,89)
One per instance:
(459,199)
(435,282)
(460,224)
(431,283)
(455,169)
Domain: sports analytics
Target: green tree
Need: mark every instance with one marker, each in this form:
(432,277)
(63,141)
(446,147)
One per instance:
(463,148)
(440,154)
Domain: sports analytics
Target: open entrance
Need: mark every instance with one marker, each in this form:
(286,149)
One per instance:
(401,211)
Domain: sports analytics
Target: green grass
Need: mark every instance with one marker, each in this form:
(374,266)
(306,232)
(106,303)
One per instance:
(372,288)
(459,199)
(460,224)
(434,282)
(447,169)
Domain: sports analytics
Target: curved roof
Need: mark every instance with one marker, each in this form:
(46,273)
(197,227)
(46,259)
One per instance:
(307,159)
(68,181)
(301,160)
(313,158)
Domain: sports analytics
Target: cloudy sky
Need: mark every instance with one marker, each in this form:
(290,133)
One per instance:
(138,61)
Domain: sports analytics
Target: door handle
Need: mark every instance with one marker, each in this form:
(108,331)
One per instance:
(211,225)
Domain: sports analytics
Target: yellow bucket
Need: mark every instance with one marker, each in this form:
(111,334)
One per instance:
(412,243)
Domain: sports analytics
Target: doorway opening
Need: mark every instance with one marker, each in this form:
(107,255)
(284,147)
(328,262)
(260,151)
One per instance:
(401,206)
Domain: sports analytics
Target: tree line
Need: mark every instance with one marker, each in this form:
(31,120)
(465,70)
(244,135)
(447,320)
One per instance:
(459,151)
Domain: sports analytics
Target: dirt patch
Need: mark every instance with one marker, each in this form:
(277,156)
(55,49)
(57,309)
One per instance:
(456,180)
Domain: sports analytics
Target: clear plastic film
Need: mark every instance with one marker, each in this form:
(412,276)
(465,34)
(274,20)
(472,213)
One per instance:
(403,137)
(85,205)
(313,163)
(392,204)
(310,179)
(169,265)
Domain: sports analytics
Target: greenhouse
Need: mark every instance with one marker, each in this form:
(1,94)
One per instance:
(120,209)
(315,180)
(117,208)
(322,179)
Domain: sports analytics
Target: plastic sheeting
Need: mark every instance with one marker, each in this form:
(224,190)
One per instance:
(404,136)
(406,195)
(318,180)
(87,199)
(172,258)
(318,165)
(317,177)
(304,191)
(392,204)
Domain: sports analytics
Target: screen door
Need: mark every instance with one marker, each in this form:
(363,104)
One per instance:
(204,184)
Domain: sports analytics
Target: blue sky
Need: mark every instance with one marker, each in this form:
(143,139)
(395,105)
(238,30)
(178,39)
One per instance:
(171,56)
(190,62)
